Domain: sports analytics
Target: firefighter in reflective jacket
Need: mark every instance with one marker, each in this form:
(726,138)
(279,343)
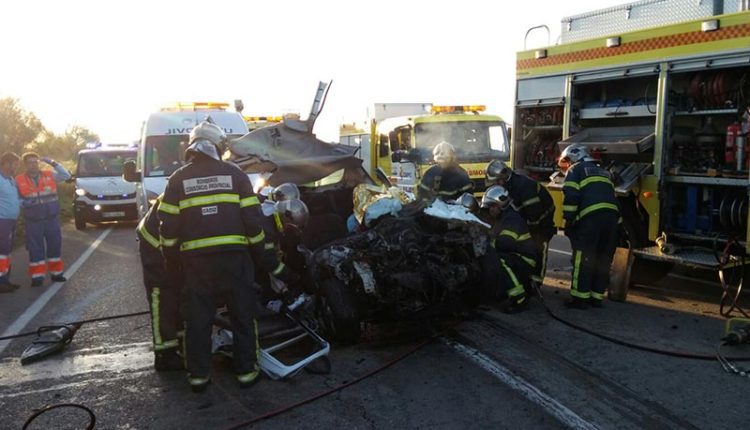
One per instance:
(210,220)
(285,216)
(534,203)
(41,212)
(591,215)
(446,180)
(513,249)
(162,292)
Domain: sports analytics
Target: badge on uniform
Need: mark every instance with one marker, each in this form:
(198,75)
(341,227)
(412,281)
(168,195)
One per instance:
(210,210)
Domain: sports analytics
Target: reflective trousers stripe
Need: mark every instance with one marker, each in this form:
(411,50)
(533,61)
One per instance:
(597,296)
(155,317)
(38,269)
(577,256)
(55,266)
(250,376)
(517,289)
(4,265)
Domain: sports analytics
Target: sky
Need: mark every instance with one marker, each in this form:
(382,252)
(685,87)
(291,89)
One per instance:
(107,65)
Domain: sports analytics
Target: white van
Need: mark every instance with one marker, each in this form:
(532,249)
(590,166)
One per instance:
(165,138)
(101,193)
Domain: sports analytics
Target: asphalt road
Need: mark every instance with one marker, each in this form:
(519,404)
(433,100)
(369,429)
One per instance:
(491,371)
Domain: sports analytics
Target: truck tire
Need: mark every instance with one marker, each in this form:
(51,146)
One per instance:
(80,221)
(338,311)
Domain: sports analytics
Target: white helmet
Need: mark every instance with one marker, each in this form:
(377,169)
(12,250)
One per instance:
(294,212)
(443,153)
(207,138)
(497,172)
(285,191)
(496,195)
(575,153)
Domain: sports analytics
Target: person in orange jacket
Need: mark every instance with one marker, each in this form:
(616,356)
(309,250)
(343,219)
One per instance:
(40,207)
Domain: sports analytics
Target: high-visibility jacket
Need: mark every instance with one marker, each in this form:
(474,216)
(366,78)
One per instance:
(38,199)
(449,183)
(148,235)
(587,188)
(513,237)
(533,202)
(209,206)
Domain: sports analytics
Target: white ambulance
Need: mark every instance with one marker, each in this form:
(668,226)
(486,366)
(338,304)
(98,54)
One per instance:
(101,194)
(164,140)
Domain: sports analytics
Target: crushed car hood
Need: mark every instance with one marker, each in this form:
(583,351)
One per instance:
(299,157)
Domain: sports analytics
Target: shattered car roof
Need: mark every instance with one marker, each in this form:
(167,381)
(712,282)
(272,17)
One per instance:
(299,157)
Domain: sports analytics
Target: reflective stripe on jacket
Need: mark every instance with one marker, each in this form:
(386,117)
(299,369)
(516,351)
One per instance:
(513,237)
(587,189)
(532,200)
(38,199)
(449,183)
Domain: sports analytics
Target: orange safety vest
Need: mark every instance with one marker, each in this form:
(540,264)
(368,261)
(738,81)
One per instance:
(44,191)
(38,200)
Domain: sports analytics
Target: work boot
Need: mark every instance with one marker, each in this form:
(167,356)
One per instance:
(516,306)
(576,303)
(58,278)
(249,379)
(596,303)
(198,384)
(6,288)
(37,282)
(167,361)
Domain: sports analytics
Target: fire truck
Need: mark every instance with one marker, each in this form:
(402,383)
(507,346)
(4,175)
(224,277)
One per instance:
(403,135)
(659,92)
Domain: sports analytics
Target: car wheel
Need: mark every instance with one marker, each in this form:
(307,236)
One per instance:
(338,311)
(80,221)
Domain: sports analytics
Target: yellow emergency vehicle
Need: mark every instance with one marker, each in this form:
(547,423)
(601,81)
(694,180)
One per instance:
(403,135)
(659,92)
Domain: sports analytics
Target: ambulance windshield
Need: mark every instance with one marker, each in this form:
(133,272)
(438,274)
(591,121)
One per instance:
(164,154)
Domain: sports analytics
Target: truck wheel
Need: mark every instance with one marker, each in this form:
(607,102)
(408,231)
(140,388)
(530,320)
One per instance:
(338,311)
(80,221)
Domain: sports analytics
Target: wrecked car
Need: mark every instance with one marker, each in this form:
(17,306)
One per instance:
(424,262)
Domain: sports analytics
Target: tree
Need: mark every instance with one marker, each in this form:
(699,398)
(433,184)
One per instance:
(65,146)
(18,128)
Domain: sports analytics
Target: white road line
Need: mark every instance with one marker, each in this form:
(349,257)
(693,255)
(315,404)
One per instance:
(530,392)
(557,251)
(42,300)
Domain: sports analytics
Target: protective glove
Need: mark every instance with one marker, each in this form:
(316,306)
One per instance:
(49,161)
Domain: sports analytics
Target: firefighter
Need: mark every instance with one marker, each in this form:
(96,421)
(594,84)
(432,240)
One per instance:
(534,203)
(591,215)
(210,219)
(513,248)
(41,212)
(446,180)
(283,237)
(162,292)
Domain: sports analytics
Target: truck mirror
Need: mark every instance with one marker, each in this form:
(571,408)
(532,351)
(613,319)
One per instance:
(129,173)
